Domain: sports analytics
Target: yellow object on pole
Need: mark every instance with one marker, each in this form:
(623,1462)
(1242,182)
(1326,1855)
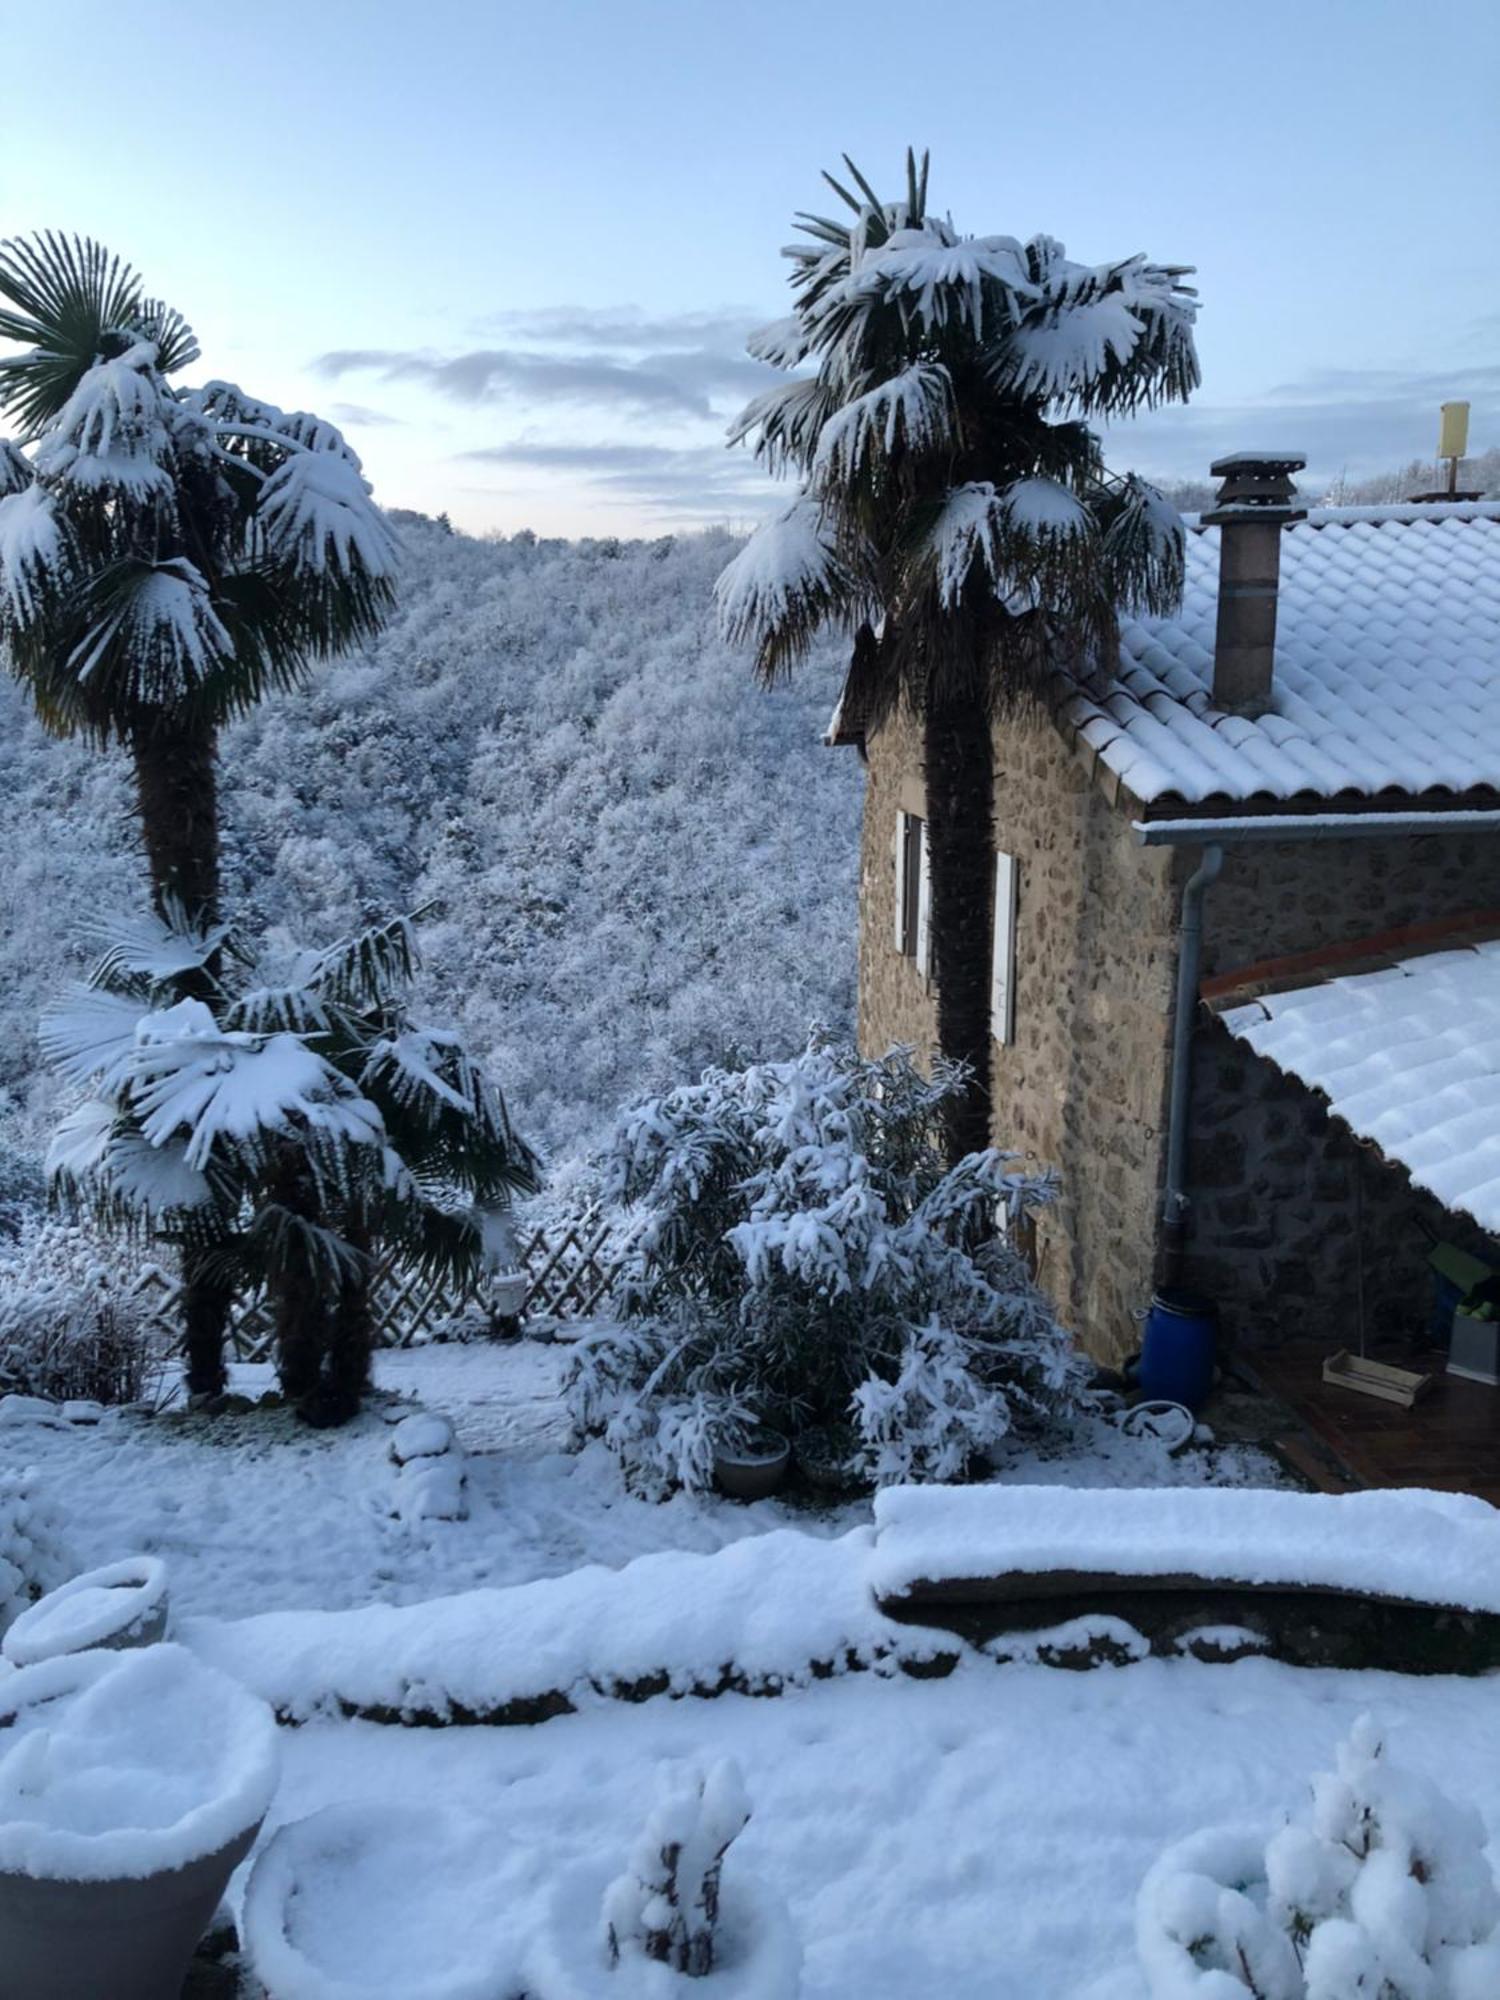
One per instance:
(1453,436)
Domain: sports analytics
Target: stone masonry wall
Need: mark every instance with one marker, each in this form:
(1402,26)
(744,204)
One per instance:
(1082,1088)
(1284,1198)
(1272,1177)
(1272,901)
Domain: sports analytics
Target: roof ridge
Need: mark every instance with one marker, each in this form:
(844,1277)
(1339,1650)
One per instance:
(1394,513)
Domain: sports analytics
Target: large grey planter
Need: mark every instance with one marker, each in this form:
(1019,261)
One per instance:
(121,1605)
(123,1939)
(131,1786)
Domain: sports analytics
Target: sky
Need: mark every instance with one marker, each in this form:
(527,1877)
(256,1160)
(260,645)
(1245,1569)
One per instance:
(514,250)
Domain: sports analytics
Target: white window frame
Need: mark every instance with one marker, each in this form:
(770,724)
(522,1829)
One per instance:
(924,904)
(1003,950)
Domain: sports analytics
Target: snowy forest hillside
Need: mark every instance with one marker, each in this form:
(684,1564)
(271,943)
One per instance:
(640,862)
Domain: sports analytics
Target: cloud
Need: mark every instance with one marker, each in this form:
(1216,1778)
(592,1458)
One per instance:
(702,382)
(1359,421)
(628,329)
(687,483)
(358,413)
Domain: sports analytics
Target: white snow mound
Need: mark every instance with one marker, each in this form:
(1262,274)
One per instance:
(128,1764)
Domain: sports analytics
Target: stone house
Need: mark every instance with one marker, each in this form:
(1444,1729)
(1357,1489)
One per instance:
(1286,794)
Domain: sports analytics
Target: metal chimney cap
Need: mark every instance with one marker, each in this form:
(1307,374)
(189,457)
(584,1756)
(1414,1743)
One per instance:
(1269,461)
(1257,487)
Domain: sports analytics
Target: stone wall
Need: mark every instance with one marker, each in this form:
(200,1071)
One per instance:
(1285,1200)
(1082,1088)
(1275,1214)
(1273,901)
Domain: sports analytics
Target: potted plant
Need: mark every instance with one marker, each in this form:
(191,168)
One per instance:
(751,1460)
(827,1456)
(320,1921)
(1474,1347)
(122,1605)
(131,1786)
(673,1926)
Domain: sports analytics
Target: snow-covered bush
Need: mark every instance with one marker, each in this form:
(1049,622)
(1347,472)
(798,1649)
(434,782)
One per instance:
(799,1256)
(70,1324)
(1380,1891)
(665,1907)
(23,1187)
(33,1557)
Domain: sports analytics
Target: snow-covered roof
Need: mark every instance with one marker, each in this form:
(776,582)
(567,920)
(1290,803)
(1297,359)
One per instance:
(1408,1056)
(1387,672)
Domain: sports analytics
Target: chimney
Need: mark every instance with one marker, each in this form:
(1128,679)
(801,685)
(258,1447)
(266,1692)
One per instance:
(1253,505)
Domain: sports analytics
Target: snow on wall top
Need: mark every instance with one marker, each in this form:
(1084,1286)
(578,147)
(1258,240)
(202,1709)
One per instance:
(1387,667)
(1429,1548)
(1408,1056)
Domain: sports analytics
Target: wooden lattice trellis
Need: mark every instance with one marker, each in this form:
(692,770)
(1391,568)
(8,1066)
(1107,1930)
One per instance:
(570,1271)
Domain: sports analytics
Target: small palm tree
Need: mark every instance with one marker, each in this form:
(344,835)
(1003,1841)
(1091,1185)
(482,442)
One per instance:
(168,556)
(954,512)
(284,1133)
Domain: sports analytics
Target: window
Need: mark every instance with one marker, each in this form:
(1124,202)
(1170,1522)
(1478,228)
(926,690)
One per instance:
(913,889)
(1003,950)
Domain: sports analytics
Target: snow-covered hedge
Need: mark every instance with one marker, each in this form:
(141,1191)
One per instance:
(33,1556)
(1380,1891)
(802,1258)
(70,1325)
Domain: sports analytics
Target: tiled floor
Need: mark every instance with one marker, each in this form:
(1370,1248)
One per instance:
(1450,1440)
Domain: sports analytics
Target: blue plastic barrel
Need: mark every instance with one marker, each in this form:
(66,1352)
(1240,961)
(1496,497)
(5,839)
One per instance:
(1178,1346)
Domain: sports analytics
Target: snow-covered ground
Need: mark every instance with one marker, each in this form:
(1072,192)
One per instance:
(258,1513)
(982,1836)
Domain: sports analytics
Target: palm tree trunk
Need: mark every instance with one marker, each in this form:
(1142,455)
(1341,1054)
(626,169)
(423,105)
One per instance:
(177,799)
(298,1291)
(176,786)
(205,1318)
(352,1336)
(959,758)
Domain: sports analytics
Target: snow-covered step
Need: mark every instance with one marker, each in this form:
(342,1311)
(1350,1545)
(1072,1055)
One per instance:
(1407,1579)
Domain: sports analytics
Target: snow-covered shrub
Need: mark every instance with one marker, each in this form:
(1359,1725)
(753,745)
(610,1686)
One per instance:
(665,1907)
(801,1257)
(1380,1891)
(33,1557)
(23,1187)
(70,1324)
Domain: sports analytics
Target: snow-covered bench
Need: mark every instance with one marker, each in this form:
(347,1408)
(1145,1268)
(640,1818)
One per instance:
(1408,1580)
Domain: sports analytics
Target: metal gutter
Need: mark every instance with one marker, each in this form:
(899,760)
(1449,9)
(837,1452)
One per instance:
(1213,836)
(1263,829)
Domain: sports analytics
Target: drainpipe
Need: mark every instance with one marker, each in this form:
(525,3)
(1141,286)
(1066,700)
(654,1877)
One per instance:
(1189,957)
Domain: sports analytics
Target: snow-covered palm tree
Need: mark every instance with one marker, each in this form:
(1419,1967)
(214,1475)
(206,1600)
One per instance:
(167,556)
(954,513)
(284,1133)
